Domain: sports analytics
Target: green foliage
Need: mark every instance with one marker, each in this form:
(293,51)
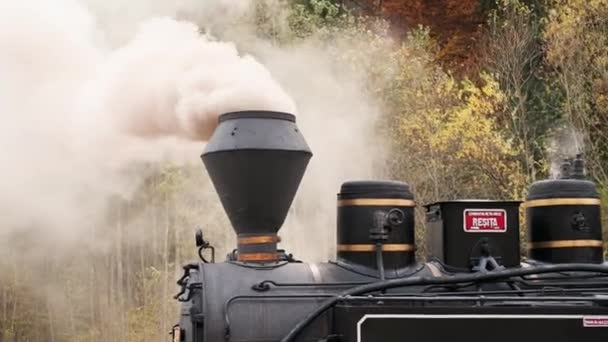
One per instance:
(285,22)
(309,17)
(515,55)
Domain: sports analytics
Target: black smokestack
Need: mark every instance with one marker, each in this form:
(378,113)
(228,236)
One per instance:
(256,160)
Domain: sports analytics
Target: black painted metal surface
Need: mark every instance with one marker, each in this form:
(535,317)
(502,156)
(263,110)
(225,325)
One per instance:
(563,220)
(228,307)
(396,322)
(453,244)
(256,160)
(238,303)
(359,204)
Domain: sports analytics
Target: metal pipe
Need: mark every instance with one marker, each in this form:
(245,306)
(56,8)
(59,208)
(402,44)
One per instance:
(379,260)
(476,277)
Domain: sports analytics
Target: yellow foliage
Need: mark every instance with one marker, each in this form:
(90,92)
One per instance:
(451,145)
(577,29)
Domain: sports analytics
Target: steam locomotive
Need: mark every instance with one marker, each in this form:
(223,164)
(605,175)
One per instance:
(473,287)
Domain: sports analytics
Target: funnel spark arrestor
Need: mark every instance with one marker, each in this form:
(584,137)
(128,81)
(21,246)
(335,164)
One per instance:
(256,160)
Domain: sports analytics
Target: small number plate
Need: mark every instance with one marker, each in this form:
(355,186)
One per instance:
(595,321)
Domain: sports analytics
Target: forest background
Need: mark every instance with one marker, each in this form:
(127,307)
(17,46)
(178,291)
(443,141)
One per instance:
(478,99)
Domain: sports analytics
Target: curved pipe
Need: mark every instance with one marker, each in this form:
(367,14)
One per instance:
(476,277)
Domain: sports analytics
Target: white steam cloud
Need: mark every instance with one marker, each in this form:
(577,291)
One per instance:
(170,80)
(78,109)
(565,143)
(92,90)
(104,108)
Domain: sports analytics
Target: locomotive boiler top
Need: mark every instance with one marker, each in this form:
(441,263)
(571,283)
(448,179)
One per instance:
(240,303)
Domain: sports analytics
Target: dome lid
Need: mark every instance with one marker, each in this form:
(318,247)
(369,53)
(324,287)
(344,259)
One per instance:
(562,188)
(375,189)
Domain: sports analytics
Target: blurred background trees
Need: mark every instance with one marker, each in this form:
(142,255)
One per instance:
(480,98)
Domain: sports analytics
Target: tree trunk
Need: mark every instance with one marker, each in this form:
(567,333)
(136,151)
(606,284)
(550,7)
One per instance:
(15,298)
(92,288)
(119,274)
(128,270)
(166,267)
(142,260)
(49,312)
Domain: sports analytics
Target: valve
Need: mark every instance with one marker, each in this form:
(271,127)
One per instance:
(203,244)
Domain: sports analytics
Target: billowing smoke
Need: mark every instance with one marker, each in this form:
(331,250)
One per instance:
(90,90)
(79,111)
(172,81)
(99,97)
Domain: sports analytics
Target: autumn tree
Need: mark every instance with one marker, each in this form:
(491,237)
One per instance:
(456,25)
(577,51)
(447,142)
(512,51)
(576,38)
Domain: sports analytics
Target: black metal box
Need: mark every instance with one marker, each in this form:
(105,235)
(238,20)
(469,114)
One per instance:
(459,233)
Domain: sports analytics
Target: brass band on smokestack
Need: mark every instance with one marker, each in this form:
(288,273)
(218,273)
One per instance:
(256,160)
(255,248)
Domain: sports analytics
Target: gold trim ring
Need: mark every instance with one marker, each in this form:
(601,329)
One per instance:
(255,240)
(399,202)
(565,244)
(562,201)
(258,257)
(371,248)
